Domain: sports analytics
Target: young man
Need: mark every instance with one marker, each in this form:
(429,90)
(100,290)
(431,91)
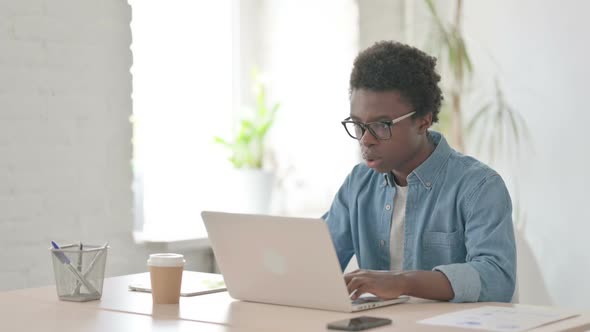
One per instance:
(422,219)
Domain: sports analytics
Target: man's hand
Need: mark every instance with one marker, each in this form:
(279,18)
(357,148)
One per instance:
(386,285)
(383,284)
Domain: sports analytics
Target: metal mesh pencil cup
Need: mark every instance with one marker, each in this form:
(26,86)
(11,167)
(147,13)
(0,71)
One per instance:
(79,274)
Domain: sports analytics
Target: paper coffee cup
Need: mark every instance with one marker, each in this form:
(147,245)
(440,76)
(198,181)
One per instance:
(166,277)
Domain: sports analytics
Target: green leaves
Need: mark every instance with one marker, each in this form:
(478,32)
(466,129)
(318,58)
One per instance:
(495,127)
(449,44)
(247,147)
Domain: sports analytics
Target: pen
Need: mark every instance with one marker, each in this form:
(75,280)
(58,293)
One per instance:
(78,284)
(65,260)
(80,258)
(93,261)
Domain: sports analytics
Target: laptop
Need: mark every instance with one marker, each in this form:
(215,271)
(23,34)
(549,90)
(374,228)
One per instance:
(282,260)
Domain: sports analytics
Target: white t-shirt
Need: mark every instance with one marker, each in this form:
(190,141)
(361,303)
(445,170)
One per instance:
(398,220)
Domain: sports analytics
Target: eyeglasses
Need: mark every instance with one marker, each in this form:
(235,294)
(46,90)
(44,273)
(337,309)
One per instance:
(381,130)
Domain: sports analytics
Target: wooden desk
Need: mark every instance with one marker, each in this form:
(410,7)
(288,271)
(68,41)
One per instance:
(23,313)
(120,309)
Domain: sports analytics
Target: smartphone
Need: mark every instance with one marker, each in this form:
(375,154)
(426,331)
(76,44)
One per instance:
(358,323)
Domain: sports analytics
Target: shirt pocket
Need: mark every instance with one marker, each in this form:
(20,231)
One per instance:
(442,239)
(441,248)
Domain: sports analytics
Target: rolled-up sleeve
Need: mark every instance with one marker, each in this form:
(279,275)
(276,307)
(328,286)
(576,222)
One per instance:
(464,280)
(489,273)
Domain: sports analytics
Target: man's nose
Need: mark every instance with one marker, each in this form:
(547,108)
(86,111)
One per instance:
(368,139)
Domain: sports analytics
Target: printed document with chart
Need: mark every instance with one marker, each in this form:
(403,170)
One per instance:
(502,319)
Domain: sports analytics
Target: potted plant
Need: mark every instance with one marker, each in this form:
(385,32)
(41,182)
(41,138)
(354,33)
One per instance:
(252,183)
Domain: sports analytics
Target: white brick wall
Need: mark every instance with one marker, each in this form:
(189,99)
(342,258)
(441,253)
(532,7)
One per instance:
(65,136)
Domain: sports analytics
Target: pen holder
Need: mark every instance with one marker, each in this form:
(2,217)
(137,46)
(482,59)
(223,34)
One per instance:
(79,274)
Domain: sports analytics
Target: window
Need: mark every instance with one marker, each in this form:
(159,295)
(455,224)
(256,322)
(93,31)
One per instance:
(190,71)
(182,97)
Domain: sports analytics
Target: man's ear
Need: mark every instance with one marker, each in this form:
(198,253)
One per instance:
(424,123)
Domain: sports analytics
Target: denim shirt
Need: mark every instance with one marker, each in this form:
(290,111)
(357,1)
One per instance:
(458,222)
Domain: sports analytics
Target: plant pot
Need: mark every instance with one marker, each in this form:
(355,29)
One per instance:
(251,191)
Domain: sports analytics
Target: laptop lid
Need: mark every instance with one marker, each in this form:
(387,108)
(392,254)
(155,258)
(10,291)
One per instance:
(278,260)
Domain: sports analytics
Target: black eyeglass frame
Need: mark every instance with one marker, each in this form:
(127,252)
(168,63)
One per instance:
(366,126)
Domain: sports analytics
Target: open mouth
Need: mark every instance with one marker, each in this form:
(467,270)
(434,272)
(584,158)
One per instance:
(373,162)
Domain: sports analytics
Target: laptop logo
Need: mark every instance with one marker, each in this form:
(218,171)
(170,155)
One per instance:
(274,262)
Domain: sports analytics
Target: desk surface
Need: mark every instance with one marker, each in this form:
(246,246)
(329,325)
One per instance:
(120,309)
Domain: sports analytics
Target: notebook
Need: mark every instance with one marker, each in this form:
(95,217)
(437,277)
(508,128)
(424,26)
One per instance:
(192,285)
(281,260)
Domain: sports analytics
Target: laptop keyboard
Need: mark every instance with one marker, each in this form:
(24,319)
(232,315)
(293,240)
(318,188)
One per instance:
(368,299)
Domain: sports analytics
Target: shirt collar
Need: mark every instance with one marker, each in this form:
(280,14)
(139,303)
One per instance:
(429,170)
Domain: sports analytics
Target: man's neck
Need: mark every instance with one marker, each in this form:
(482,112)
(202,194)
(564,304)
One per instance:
(421,155)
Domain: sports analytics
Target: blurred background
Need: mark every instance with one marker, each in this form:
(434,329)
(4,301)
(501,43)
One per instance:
(122,121)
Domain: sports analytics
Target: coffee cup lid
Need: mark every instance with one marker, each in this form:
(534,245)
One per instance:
(166,260)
